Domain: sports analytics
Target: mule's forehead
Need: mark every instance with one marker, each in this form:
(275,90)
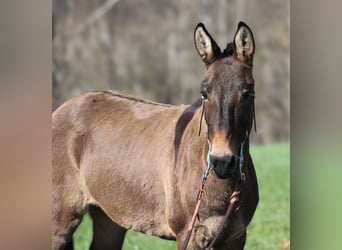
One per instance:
(227,71)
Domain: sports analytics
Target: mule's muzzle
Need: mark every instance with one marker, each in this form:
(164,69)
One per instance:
(225,167)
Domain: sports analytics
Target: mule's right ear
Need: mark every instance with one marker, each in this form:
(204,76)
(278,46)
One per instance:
(205,45)
(244,44)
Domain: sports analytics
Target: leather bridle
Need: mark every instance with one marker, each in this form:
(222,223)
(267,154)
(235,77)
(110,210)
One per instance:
(234,197)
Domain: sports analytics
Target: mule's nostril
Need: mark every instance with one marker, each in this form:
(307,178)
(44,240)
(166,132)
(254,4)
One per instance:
(224,161)
(224,167)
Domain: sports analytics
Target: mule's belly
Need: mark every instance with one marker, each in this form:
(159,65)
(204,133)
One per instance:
(129,202)
(134,201)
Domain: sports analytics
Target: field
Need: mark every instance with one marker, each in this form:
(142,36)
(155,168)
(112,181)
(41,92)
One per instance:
(270,227)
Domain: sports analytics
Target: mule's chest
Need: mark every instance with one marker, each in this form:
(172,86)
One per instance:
(215,199)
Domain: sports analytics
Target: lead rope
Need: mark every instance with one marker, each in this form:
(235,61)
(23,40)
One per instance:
(232,199)
(199,199)
(200,125)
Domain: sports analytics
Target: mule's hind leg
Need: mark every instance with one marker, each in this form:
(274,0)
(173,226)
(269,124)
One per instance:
(106,233)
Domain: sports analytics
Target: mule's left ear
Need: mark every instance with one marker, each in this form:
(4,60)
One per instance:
(244,44)
(205,45)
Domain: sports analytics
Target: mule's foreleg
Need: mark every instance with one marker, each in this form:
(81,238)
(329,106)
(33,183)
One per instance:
(199,239)
(68,208)
(180,240)
(202,235)
(64,225)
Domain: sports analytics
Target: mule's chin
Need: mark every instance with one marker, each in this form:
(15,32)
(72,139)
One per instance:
(224,172)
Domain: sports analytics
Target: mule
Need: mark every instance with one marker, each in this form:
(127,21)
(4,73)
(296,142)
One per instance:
(137,164)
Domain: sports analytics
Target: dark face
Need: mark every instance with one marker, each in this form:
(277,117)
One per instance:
(227,92)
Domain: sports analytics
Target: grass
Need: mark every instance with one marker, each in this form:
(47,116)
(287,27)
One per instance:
(270,227)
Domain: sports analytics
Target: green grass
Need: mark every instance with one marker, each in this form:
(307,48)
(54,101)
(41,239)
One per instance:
(270,227)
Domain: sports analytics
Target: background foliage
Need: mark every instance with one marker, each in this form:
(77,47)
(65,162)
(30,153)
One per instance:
(145,47)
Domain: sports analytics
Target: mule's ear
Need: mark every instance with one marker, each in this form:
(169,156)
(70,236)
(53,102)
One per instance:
(205,45)
(244,43)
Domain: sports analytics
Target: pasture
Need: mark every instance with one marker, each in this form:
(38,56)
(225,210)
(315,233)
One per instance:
(270,227)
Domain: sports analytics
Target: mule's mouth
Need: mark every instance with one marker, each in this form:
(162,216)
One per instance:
(224,167)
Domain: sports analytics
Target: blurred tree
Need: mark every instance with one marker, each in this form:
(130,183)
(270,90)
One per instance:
(145,48)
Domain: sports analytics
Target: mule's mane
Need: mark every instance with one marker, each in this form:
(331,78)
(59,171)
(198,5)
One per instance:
(134,99)
(181,125)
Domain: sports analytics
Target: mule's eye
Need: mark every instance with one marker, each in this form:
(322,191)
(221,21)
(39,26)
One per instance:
(248,94)
(247,90)
(204,95)
(205,90)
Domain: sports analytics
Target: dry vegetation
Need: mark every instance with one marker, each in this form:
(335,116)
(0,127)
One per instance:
(146,48)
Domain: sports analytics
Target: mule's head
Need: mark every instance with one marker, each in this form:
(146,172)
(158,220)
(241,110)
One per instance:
(227,91)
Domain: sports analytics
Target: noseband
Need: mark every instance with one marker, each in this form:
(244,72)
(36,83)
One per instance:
(235,195)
